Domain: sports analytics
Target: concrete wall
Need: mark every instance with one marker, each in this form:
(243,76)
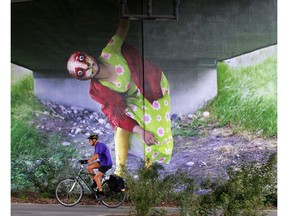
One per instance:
(252,58)
(190,89)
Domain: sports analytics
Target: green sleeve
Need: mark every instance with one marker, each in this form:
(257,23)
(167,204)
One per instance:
(114,45)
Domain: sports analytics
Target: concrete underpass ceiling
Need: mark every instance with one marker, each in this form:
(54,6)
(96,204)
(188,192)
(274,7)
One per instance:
(45,32)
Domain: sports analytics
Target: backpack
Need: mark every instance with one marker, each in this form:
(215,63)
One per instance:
(116,183)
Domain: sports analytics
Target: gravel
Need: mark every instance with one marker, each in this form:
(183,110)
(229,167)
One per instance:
(211,151)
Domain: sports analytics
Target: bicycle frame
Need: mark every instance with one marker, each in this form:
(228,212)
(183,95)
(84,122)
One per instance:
(79,176)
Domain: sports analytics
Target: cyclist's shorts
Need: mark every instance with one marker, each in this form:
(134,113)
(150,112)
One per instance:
(104,169)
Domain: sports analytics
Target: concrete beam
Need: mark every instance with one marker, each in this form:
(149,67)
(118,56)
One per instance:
(45,32)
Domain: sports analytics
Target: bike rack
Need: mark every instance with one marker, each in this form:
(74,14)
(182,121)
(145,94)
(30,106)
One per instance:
(148,15)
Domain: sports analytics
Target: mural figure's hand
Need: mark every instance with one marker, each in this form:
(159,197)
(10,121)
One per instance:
(147,136)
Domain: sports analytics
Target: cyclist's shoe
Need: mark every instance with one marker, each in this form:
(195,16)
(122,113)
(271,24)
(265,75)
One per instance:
(100,195)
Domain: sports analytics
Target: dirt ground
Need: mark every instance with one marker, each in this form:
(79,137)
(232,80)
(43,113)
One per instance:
(211,150)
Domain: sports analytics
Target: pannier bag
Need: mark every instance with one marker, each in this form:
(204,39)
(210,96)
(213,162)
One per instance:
(116,183)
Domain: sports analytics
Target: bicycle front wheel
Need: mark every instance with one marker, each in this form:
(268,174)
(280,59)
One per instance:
(69,192)
(112,199)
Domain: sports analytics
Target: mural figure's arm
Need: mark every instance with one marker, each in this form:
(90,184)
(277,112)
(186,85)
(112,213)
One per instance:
(123,28)
(147,136)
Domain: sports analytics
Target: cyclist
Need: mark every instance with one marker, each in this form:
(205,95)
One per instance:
(101,160)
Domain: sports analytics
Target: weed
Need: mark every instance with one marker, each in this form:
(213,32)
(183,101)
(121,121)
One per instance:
(147,190)
(191,127)
(245,191)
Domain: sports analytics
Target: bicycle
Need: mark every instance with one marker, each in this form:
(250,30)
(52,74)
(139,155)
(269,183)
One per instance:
(70,191)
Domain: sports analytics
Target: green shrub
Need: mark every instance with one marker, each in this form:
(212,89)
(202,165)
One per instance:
(185,188)
(248,190)
(245,191)
(147,190)
(40,170)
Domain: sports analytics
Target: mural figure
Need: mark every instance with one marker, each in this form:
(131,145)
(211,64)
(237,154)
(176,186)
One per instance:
(134,95)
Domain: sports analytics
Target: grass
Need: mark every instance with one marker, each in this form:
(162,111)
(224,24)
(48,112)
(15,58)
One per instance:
(19,73)
(36,159)
(24,137)
(247,97)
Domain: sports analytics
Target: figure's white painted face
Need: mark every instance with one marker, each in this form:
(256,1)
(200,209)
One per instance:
(82,66)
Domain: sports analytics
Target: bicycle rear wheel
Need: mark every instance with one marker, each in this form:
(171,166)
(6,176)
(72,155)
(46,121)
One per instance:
(69,192)
(112,199)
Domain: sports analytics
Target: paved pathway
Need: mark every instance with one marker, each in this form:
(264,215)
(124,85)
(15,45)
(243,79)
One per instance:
(87,210)
(57,210)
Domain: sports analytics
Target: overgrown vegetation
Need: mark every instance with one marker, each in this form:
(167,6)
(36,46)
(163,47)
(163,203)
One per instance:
(247,191)
(191,126)
(247,97)
(36,159)
(147,191)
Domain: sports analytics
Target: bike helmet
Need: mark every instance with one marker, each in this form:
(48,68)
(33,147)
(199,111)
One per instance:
(93,136)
